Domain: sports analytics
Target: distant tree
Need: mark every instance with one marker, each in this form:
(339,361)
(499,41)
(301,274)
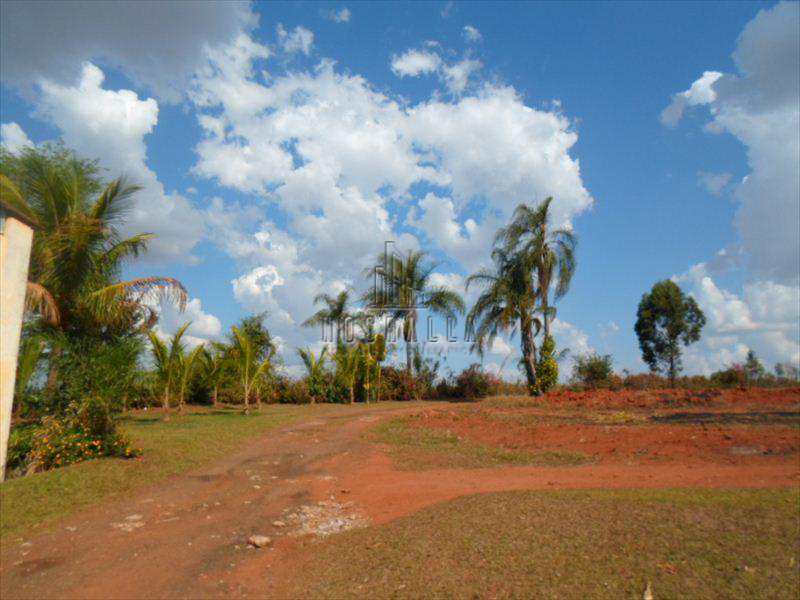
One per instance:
(667,319)
(336,310)
(753,368)
(348,360)
(315,371)
(547,367)
(246,364)
(592,370)
(507,303)
(409,280)
(214,365)
(551,252)
(168,359)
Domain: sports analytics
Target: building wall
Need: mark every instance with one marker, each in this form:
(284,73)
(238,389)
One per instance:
(15,247)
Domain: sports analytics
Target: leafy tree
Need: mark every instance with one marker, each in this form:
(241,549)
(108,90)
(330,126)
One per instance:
(187,367)
(336,310)
(592,370)
(348,360)
(246,364)
(753,368)
(408,281)
(168,359)
(315,370)
(506,304)
(666,319)
(547,367)
(78,251)
(551,252)
(213,363)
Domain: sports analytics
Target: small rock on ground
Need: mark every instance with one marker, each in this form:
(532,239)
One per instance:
(259,541)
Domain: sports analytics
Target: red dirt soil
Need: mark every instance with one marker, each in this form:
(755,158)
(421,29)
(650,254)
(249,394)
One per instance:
(192,541)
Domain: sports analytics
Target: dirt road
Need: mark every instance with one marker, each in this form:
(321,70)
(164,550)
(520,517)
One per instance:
(187,536)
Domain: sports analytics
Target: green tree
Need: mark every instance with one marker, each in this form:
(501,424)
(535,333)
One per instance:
(408,283)
(753,368)
(592,370)
(336,311)
(547,367)
(78,252)
(348,360)
(667,319)
(551,252)
(315,370)
(506,304)
(246,364)
(213,361)
(168,360)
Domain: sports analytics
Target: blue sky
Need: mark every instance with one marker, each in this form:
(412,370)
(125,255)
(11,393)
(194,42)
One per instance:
(281,143)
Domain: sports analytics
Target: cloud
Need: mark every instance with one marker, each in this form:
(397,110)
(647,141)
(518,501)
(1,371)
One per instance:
(299,40)
(471,34)
(112,125)
(414,63)
(343,162)
(760,106)
(158,44)
(713,183)
(457,76)
(765,317)
(701,92)
(13,138)
(338,16)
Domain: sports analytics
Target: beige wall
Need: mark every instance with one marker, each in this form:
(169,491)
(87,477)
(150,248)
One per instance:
(15,247)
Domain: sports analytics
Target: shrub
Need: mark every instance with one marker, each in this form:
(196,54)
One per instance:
(398,385)
(592,370)
(547,367)
(88,430)
(731,377)
(473,383)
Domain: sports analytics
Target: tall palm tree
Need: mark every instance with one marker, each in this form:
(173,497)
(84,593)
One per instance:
(336,310)
(78,252)
(168,359)
(506,304)
(550,251)
(407,288)
(315,369)
(246,364)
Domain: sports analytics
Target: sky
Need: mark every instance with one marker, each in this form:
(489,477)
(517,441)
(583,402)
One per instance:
(280,145)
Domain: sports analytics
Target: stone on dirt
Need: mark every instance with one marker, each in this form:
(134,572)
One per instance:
(259,541)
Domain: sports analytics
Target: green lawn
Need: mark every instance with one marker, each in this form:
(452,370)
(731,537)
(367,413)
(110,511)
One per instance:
(419,448)
(570,544)
(169,448)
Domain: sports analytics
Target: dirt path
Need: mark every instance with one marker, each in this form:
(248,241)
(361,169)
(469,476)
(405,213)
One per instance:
(187,537)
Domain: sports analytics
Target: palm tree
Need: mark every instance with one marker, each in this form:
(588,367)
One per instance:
(187,366)
(348,360)
(78,252)
(315,369)
(246,364)
(407,289)
(336,310)
(506,304)
(214,363)
(168,361)
(551,252)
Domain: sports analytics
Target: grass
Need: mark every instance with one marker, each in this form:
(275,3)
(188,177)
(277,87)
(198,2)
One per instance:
(169,448)
(571,544)
(420,448)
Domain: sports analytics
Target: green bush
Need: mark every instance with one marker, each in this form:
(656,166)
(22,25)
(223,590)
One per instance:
(473,383)
(547,367)
(87,430)
(592,370)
